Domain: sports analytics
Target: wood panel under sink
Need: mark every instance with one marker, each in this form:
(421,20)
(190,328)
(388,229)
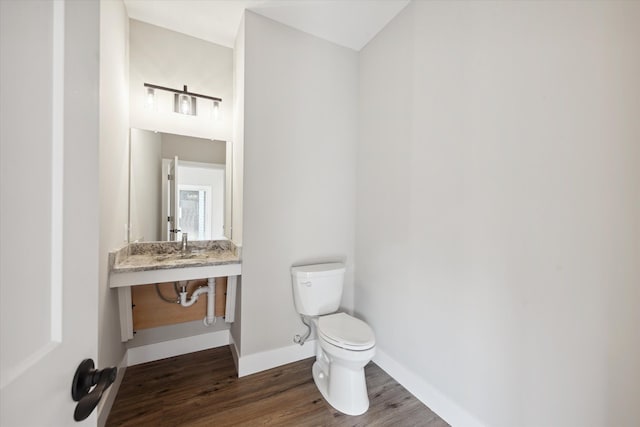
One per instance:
(149,311)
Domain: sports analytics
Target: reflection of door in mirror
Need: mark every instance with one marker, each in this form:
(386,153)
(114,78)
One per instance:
(201,176)
(171,201)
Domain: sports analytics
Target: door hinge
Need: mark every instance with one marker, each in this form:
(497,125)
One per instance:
(169,177)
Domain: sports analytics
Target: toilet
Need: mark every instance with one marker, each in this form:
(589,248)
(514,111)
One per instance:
(345,344)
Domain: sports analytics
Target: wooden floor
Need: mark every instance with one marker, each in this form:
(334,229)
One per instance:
(202,389)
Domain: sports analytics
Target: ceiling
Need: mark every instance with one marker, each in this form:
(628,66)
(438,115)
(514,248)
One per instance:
(348,23)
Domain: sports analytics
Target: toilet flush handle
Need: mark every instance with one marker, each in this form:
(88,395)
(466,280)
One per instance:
(307,283)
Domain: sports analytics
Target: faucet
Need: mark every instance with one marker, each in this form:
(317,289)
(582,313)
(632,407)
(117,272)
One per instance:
(184,242)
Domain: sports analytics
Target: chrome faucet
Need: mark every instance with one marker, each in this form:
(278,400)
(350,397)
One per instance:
(184,242)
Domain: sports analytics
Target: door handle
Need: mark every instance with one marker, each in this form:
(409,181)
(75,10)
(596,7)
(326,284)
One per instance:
(85,378)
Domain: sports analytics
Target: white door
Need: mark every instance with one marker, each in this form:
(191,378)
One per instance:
(49,206)
(173,224)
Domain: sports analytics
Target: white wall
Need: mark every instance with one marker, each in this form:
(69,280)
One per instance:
(235,170)
(170,59)
(193,149)
(114,179)
(299,179)
(114,167)
(145,186)
(499,203)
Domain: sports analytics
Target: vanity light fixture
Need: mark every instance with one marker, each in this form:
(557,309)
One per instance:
(184,102)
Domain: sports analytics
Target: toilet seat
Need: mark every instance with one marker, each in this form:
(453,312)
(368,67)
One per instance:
(346,332)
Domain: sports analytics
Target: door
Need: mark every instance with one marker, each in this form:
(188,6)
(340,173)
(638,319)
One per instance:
(49,206)
(173,224)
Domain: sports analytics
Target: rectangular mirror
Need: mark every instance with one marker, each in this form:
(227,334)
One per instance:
(178,184)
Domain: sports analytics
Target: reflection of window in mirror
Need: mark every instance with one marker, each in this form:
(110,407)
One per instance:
(194,211)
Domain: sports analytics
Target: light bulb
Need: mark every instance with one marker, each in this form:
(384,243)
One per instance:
(216,110)
(150,98)
(185,104)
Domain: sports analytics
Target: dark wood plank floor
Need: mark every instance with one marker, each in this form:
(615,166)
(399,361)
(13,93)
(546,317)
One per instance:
(202,389)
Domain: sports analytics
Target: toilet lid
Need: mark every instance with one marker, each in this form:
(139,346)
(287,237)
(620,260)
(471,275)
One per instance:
(346,331)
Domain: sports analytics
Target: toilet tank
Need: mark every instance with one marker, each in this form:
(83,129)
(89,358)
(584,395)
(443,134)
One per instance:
(317,288)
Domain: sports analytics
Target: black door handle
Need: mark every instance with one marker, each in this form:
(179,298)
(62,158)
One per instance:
(85,378)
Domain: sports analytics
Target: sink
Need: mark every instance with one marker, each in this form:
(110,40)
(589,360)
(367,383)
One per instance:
(168,255)
(159,262)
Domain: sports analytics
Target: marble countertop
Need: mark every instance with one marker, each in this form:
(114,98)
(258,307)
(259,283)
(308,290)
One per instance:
(168,255)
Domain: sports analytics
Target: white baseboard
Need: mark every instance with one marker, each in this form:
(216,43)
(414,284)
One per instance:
(162,350)
(109,396)
(426,393)
(257,362)
(234,351)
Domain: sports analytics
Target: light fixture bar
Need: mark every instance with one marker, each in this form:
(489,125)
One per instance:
(185,92)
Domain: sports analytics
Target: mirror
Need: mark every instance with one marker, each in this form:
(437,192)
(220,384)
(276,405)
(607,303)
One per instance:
(178,184)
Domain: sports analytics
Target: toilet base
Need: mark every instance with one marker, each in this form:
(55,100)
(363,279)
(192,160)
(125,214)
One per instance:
(344,389)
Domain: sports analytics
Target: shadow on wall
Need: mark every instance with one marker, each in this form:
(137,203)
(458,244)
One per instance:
(320,260)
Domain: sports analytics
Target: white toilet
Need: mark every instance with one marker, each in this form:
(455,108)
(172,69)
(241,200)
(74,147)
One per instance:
(346,344)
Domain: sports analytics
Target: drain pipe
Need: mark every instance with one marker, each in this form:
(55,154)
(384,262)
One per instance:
(210,318)
(302,339)
(210,290)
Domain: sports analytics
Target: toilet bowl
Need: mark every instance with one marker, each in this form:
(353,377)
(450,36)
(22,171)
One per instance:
(344,345)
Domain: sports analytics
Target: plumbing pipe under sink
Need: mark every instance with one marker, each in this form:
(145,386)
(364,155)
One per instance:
(210,290)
